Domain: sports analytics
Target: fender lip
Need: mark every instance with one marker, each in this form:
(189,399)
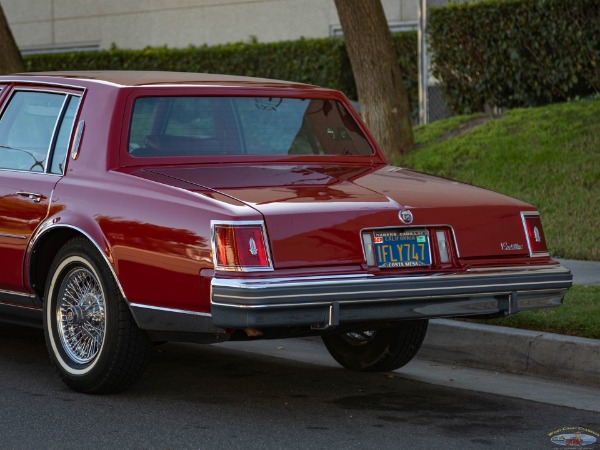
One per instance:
(43,229)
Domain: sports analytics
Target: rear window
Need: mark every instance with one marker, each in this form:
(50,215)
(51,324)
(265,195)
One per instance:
(205,126)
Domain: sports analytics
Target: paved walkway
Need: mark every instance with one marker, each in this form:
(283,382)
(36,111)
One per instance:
(584,272)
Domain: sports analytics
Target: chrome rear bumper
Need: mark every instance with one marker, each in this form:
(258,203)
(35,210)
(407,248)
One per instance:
(323,302)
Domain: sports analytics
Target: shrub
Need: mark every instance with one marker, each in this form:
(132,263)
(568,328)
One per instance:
(510,53)
(322,62)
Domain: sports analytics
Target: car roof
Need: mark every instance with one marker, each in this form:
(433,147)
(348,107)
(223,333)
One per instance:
(124,78)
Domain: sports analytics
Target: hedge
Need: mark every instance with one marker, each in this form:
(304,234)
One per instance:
(322,62)
(510,53)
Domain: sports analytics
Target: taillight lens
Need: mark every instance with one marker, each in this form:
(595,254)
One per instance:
(240,246)
(535,234)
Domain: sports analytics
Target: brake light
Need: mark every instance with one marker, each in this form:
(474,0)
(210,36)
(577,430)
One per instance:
(535,234)
(240,246)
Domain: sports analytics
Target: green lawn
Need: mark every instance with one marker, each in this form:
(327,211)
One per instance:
(549,157)
(578,316)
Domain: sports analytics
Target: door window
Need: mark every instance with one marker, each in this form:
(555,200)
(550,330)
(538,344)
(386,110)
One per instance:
(28,127)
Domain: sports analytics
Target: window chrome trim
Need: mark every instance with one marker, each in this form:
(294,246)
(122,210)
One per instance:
(42,174)
(213,242)
(3,108)
(71,132)
(54,137)
(40,89)
(41,84)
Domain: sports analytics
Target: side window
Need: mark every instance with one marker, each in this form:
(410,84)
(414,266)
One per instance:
(26,129)
(64,135)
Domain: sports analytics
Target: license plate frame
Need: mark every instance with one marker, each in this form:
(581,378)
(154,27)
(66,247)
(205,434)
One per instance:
(402,248)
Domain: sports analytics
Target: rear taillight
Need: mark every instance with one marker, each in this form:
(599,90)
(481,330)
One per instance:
(535,234)
(240,246)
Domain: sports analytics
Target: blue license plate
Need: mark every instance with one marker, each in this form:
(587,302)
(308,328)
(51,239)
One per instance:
(402,248)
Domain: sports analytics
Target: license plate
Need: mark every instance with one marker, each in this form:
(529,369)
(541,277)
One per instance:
(402,248)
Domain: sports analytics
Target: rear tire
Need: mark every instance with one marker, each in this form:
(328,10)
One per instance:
(92,339)
(379,349)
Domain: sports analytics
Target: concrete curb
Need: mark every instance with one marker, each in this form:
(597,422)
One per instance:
(532,353)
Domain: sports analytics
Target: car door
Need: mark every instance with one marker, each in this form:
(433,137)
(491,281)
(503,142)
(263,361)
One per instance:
(35,130)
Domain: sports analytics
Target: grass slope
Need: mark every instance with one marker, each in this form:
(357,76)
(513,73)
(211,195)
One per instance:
(578,316)
(548,156)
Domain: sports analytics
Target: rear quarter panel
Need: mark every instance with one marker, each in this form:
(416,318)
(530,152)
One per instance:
(156,237)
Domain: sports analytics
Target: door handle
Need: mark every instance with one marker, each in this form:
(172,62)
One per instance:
(31,195)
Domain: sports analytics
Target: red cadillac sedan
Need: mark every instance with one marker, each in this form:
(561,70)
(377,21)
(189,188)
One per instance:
(140,207)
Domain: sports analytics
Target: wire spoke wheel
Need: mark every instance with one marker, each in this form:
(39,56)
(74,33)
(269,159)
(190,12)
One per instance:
(92,338)
(81,315)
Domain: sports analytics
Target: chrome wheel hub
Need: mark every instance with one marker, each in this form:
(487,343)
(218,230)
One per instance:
(81,317)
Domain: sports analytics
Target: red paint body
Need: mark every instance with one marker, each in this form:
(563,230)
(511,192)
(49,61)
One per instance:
(152,216)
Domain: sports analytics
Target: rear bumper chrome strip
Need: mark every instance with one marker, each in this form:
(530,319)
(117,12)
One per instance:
(263,302)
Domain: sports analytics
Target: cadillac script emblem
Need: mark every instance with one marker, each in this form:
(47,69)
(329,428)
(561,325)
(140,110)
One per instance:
(406,216)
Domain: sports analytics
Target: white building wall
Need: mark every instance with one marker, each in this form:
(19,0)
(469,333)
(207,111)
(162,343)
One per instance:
(42,25)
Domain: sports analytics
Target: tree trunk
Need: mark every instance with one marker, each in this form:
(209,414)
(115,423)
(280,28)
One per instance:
(10,57)
(381,91)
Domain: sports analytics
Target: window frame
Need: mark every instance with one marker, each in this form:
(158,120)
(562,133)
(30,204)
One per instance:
(127,160)
(68,95)
(71,131)
(241,124)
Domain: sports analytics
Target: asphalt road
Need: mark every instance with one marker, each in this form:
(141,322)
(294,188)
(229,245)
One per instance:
(211,397)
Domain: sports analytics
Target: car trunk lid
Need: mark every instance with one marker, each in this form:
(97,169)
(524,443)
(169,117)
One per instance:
(314,214)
